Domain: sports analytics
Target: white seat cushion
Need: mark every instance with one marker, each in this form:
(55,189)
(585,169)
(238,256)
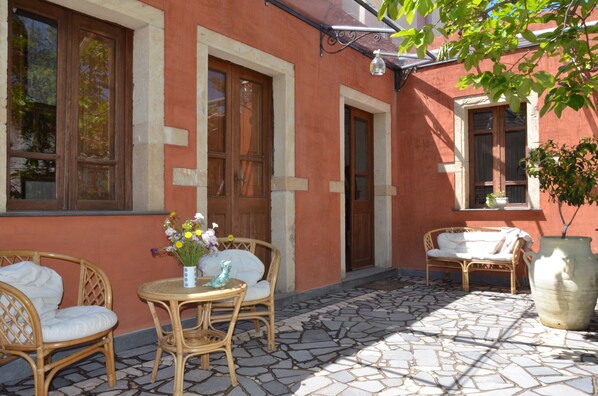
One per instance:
(258,291)
(245,265)
(77,322)
(447,253)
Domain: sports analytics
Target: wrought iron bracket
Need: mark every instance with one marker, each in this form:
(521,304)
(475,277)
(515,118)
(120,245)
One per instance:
(401,76)
(342,39)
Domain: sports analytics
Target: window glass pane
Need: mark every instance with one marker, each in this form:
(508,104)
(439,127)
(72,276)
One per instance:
(361,188)
(96,91)
(33,77)
(482,158)
(96,182)
(250,118)
(513,120)
(482,120)
(515,142)
(216,172)
(361,145)
(347,144)
(517,194)
(216,111)
(251,184)
(32,179)
(480,193)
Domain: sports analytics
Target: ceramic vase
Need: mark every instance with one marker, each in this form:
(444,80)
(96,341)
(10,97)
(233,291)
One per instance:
(190,276)
(563,278)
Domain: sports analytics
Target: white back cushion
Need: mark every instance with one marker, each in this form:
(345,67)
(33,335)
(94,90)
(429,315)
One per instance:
(41,284)
(466,242)
(245,265)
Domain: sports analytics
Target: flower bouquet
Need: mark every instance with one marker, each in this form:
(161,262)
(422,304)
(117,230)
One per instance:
(188,243)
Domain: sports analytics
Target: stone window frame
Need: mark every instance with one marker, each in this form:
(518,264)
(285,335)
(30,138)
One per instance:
(148,92)
(460,166)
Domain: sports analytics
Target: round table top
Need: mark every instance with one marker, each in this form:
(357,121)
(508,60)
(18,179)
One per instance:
(173,289)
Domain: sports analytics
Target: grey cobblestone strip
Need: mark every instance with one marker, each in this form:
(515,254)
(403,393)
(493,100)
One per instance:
(412,340)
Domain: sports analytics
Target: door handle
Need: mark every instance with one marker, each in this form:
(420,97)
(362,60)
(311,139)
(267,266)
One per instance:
(239,179)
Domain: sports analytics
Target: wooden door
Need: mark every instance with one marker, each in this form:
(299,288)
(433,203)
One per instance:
(239,150)
(359,204)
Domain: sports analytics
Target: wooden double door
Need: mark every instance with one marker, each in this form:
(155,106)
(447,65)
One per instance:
(239,150)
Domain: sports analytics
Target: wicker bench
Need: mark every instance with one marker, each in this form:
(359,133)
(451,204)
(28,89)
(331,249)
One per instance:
(468,249)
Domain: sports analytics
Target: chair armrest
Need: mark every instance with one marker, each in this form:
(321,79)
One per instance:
(94,286)
(428,241)
(19,321)
(517,249)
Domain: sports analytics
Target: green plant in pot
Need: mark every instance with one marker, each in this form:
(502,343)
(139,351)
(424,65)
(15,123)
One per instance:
(497,200)
(564,273)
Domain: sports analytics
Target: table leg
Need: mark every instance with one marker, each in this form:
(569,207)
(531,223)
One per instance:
(203,317)
(177,332)
(179,372)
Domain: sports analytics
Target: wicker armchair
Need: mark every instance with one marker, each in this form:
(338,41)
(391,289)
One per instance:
(261,309)
(22,331)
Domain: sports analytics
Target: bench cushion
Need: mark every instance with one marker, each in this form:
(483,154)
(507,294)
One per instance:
(447,253)
(475,243)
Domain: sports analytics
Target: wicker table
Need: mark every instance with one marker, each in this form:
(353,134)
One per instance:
(200,339)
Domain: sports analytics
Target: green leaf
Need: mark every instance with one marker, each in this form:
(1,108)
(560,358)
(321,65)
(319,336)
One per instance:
(382,10)
(576,101)
(529,36)
(514,103)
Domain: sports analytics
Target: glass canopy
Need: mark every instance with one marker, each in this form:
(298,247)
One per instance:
(355,24)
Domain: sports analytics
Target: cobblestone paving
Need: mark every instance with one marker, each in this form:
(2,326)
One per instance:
(408,340)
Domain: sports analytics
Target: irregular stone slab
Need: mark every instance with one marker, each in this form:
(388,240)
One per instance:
(519,376)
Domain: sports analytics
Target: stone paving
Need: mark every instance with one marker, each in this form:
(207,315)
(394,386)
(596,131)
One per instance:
(397,337)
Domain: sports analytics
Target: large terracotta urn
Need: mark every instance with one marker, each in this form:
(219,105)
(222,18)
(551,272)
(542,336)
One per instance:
(563,278)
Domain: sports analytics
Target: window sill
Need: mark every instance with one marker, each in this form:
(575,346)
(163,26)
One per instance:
(74,213)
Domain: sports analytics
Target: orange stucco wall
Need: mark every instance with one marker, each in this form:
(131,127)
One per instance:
(317,125)
(120,244)
(422,137)
(425,138)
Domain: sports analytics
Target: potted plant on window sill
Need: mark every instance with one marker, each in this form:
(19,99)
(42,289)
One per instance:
(564,273)
(497,200)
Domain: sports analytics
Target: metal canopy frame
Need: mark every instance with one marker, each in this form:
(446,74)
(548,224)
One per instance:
(336,37)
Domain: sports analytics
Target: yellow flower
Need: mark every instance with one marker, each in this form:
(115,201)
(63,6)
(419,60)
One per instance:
(198,232)
(231,237)
(178,244)
(172,214)
(188,235)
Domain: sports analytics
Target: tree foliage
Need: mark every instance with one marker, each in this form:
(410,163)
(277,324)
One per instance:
(475,30)
(568,174)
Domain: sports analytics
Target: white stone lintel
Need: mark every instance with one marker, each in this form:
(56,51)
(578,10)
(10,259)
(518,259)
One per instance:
(289,184)
(176,136)
(450,167)
(385,191)
(189,177)
(337,186)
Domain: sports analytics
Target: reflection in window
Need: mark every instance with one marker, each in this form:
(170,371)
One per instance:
(70,110)
(498,139)
(32,124)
